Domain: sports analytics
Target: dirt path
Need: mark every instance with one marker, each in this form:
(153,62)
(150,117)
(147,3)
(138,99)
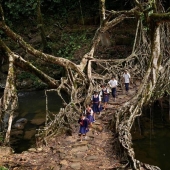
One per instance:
(68,153)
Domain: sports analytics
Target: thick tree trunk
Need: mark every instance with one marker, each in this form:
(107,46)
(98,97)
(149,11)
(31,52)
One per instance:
(9,101)
(126,115)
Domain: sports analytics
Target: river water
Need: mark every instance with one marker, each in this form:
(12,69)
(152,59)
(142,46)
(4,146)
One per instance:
(32,107)
(154,147)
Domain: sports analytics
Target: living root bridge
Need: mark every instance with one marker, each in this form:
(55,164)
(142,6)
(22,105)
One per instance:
(154,84)
(149,62)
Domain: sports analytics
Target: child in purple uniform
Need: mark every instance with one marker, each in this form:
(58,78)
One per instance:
(84,122)
(89,115)
(96,101)
(105,95)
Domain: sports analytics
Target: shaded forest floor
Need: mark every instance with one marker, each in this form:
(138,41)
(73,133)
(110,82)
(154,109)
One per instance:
(66,152)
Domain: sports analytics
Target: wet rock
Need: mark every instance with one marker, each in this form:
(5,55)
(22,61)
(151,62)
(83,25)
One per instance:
(26,83)
(82,149)
(90,134)
(39,149)
(20,123)
(75,160)
(64,162)
(32,150)
(38,121)
(83,143)
(18,126)
(70,139)
(4,151)
(29,134)
(93,157)
(79,155)
(22,120)
(75,166)
(106,167)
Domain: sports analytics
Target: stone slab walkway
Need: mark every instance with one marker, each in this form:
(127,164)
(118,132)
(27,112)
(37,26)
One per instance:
(68,153)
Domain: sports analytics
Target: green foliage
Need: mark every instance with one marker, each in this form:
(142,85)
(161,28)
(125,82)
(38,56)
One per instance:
(71,43)
(38,84)
(14,10)
(24,75)
(3,168)
(18,8)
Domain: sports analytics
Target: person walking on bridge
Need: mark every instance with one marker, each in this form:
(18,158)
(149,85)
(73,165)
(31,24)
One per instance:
(126,77)
(105,96)
(83,122)
(96,104)
(113,85)
(89,115)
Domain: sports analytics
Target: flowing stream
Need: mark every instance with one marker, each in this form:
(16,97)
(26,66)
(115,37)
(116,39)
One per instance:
(32,107)
(154,146)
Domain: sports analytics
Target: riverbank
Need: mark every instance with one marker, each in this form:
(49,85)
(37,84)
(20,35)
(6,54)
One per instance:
(67,152)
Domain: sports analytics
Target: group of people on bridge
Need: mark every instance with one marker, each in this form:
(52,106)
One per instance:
(99,101)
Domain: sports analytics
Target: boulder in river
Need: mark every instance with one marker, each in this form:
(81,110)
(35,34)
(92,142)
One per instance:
(20,123)
(22,120)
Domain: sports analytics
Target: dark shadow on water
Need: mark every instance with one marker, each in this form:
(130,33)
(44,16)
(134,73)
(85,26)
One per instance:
(32,106)
(154,147)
